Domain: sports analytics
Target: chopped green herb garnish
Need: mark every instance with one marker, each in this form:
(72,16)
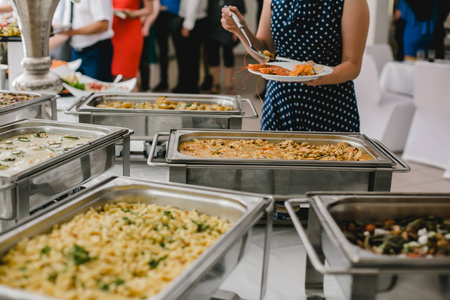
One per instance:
(23,139)
(80,255)
(46,250)
(71,137)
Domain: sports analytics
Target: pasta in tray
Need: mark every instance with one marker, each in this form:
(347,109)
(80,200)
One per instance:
(121,251)
(262,149)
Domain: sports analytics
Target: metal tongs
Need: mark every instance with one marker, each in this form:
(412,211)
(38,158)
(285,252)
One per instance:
(266,58)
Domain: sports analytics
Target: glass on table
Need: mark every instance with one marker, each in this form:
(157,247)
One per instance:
(420,54)
(431,55)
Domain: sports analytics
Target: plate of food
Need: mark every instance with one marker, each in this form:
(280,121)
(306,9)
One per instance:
(80,85)
(289,71)
(62,67)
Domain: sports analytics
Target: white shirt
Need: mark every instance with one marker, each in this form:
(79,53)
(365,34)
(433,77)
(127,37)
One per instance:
(87,12)
(193,10)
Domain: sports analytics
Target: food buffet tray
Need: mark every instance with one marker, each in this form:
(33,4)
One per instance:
(360,273)
(276,176)
(199,280)
(147,122)
(42,107)
(27,189)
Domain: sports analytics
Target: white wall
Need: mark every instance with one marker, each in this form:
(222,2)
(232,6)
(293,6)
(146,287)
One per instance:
(379,21)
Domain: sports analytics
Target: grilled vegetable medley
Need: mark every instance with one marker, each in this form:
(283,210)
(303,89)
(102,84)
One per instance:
(413,236)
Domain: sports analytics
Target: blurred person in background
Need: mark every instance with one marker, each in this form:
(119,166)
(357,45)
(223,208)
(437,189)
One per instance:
(192,32)
(419,19)
(128,40)
(90,37)
(166,26)
(219,41)
(148,55)
(328,32)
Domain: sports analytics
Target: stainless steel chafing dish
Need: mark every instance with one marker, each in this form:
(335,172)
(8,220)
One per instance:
(201,279)
(362,274)
(280,177)
(146,123)
(23,191)
(42,107)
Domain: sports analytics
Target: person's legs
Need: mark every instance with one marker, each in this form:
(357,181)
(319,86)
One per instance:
(228,58)
(162,33)
(96,61)
(212,48)
(144,67)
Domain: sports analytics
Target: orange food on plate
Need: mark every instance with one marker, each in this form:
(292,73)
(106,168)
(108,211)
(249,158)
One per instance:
(58,63)
(269,69)
(302,70)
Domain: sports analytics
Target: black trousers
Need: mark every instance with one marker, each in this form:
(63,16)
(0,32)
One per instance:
(189,57)
(166,26)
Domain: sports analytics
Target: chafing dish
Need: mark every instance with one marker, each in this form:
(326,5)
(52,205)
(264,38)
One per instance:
(28,189)
(280,177)
(362,274)
(199,280)
(146,123)
(42,107)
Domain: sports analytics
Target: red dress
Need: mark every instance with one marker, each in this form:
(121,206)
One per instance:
(127,41)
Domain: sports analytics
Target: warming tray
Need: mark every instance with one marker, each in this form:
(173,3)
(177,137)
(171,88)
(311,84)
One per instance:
(201,279)
(146,123)
(280,177)
(28,189)
(42,107)
(360,273)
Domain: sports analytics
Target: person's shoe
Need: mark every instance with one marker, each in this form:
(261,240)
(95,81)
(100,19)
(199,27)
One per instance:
(161,87)
(229,90)
(214,90)
(207,83)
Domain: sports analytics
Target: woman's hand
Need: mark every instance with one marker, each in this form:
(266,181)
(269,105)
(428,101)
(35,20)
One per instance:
(228,22)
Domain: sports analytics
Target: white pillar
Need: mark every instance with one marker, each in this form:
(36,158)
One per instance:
(380,19)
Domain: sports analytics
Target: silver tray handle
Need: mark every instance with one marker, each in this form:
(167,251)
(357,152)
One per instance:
(405,168)
(150,161)
(252,107)
(76,104)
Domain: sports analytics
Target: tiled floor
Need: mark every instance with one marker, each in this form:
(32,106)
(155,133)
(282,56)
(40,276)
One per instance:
(421,178)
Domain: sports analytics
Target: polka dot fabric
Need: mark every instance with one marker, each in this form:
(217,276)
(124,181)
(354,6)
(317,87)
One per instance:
(309,30)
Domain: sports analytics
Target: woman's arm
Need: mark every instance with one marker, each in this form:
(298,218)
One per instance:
(263,38)
(148,21)
(355,26)
(93,28)
(142,12)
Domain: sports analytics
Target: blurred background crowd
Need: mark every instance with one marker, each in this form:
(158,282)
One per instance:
(128,37)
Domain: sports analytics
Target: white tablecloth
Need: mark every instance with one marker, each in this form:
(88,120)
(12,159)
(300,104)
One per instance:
(399,77)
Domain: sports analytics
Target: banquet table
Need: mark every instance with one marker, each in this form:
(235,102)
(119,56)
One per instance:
(399,76)
(287,256)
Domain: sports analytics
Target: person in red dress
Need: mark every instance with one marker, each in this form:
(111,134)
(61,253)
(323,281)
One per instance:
(128,40)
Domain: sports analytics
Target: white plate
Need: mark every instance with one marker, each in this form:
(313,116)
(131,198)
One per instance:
(123,86)
(68,69)
(290,66)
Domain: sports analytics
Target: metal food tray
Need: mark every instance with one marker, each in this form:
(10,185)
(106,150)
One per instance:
(199,280)
(362,274)
(43,107)
(146,122)
(280,177)
(26,190)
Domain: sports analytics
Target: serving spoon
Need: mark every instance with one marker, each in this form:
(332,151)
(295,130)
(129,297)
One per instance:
(266,58)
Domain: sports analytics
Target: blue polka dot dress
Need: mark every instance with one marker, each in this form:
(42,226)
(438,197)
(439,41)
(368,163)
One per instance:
(309,30)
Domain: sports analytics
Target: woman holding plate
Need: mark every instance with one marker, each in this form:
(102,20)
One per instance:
(328,32)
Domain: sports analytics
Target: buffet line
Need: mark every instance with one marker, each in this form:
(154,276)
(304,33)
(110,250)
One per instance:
(128,238)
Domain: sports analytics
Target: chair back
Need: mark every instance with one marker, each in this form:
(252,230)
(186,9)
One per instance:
(366,84)
(432,87)
(382,53)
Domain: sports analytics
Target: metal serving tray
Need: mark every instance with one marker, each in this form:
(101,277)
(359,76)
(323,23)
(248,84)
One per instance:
(146,123)
(363,274)
(43,107)
(280,177)
(202,278)
(26,190)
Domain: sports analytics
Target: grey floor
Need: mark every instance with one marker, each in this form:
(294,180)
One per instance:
(421,178)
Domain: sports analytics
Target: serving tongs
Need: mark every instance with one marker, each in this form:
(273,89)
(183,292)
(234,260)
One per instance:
(267,58)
